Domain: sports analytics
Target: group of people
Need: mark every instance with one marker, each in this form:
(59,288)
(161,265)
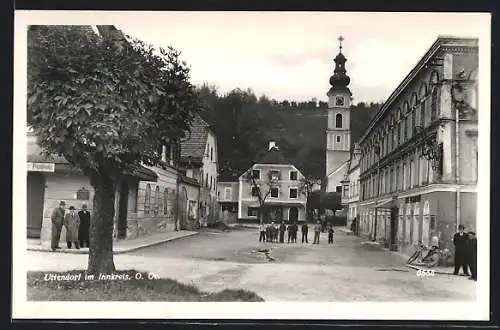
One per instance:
(273,233)
(77,226)
(465,252)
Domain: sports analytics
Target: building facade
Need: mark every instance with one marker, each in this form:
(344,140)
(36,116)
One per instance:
(351,187)
(418,168)
(338,133)
(199,158)
(145,200)
(227,197)
(281,182)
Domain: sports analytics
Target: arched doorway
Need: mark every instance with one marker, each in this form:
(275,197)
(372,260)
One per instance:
(35,197)
(293,215)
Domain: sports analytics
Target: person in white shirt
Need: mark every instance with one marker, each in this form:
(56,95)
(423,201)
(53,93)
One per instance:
(262,230)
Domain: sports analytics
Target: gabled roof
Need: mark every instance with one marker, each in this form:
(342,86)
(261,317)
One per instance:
(338,168)
(193,148)
(274,156)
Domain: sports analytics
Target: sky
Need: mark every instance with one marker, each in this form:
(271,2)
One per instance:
(289,55)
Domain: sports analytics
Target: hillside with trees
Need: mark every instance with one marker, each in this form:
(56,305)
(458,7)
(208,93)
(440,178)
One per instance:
(245,124)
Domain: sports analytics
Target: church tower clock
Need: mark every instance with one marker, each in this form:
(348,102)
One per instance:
(338,134)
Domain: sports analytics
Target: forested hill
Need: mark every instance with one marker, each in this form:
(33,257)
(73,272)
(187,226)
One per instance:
(245,124)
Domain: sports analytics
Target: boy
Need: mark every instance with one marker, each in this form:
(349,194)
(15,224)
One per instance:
(330,235)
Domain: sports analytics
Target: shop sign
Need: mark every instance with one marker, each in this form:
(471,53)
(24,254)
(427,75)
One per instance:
(41,167)
(83,194)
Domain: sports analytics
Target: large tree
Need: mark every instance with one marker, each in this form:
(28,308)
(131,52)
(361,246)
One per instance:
(106,103)
(261,188)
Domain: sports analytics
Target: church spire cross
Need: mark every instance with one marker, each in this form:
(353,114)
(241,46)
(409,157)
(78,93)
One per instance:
(340,39)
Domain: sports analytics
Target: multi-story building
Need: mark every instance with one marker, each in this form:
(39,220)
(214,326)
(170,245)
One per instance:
(350,189)
(145,200)
(280,181)
(227,196)
(199,158)
(418,168)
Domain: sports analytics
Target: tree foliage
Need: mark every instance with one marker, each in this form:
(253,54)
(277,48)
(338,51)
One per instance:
(105,103)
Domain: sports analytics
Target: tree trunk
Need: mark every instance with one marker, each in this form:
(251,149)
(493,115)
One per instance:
(101,228)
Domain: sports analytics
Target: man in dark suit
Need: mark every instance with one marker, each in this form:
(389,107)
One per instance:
(472,252)
(461,242)
(305,229)
(282,232)
(57,219)
(83,229)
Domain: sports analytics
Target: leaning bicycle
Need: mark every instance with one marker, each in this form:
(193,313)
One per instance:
(425,256)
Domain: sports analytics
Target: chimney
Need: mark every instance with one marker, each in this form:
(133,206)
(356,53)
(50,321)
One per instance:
(272,144)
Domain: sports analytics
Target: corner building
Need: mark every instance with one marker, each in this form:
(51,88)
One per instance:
(419,154)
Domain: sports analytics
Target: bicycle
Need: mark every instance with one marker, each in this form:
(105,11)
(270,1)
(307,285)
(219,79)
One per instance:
(418,254)
(425,256)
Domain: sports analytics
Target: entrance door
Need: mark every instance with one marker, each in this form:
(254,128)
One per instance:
(35,196)
(293,216)
(393,226)
(122,211)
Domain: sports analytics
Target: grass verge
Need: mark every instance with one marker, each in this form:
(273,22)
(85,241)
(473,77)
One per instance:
(131,285)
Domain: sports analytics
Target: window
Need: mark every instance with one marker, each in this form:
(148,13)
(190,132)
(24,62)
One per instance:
(211,153)
(293,175)
(256,174)
(338,189)
(396,179)
(147,199)
(255,191)
(338,120)
(413,122)
(157,200)
(275,175)
(293,192)
(274,193)
(337,138)
(206,179)
(227,193)
(434,103)
(210,184)
(165,201)
(253,211)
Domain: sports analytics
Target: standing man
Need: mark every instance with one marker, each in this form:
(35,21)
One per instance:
(472,255)
(83,229)
(305,229)
(461,240)
(57,218)
(72,222)
(295,231)
(317,231)
(262,230)
(282,232)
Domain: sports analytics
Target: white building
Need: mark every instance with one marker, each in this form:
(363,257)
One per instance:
(286,200)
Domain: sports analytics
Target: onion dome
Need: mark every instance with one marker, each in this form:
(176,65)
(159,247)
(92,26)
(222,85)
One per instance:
(340,80)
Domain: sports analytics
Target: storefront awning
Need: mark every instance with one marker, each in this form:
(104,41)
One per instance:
(287,203)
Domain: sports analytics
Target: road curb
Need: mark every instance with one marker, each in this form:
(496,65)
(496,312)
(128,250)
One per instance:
(435,271)
(117,251)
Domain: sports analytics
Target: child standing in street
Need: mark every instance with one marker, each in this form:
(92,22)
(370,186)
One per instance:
(330,235)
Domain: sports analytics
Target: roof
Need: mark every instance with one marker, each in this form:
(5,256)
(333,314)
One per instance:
(34,155)
(441,41)
(274,156)
(193,148)
(189,180)
(338,168)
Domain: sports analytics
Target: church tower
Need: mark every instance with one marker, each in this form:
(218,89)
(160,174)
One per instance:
(338,133)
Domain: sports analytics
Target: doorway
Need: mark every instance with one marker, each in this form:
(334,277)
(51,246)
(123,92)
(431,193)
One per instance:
(293,215)
(35,198)
(122,210)
(394,228)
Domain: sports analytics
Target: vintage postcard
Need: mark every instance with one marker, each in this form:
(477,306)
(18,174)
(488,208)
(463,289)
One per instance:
(251,165)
